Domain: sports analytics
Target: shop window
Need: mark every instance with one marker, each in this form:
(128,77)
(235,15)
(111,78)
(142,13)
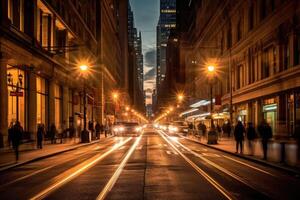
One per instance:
(42,95)
(16,104)
(58,105)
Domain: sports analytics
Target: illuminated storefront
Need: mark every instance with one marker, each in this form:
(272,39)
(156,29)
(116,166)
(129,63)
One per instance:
(17,79)
(41,100)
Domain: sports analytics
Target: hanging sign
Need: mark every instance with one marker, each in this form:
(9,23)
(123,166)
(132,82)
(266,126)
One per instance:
(16,94)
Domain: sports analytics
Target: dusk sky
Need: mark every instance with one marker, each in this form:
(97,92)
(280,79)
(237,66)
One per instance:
(146,14)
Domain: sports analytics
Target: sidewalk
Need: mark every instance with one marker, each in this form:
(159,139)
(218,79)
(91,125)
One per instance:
(29,152)
(274,151)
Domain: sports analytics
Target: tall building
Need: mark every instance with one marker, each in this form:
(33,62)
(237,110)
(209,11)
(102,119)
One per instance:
(136,65)
(166,23)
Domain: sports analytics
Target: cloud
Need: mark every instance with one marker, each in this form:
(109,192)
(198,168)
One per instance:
(150,75)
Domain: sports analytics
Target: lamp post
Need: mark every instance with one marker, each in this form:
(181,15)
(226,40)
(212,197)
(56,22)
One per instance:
(115,96)
(84,133)
(17,92)
(211,71)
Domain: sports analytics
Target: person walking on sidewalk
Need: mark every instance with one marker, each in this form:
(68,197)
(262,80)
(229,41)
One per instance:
(53,132)
(239,136)
(251,134)
(40,136)
(265,132)
(17,133)
(98,130)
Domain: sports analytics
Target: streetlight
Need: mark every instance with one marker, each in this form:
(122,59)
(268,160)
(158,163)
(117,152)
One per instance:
(17,92)
(84,133)
(211,73)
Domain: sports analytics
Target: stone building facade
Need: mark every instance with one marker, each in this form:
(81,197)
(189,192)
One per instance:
(42,45)
(255,48)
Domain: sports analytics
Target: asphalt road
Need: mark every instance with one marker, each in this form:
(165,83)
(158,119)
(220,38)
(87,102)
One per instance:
(151,166)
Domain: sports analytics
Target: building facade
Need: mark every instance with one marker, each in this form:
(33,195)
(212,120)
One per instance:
(42,44)
(166,23)
(255,48)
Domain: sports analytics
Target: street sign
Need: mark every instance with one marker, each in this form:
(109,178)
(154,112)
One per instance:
(16,94)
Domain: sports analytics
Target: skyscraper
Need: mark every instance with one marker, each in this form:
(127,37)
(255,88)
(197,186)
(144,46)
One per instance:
(167,22)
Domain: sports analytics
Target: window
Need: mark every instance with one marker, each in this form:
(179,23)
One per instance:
(240,76)
(263,10)
(16,104)
(297,50)
(286,55)
(251,17)
(269,62)
(229,37)
(41,97)
(16,13)
(239,30)
(58,105)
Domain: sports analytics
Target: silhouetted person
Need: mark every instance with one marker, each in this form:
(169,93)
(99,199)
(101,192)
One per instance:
(265,132)
(227,128)
(98,130)
(17,133)
(40,136)
(106,129)
(53,132)
(251,134)
(239,136)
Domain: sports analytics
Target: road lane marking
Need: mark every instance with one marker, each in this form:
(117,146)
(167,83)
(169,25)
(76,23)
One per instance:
(248,165)
(214,183)
(220,168)
(71,176)
(117,173)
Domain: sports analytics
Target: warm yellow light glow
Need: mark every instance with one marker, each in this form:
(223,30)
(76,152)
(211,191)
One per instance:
(180,97)
(127,108)
(211,68)
(83,67)
(115,95)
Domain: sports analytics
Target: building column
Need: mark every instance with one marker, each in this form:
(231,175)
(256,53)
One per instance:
(65,107)
(3,101)
(32,106)
(51,103)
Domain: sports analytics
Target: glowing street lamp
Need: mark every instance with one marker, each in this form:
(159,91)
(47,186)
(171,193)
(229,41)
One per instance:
(180,97)
(211,70)
(84,133)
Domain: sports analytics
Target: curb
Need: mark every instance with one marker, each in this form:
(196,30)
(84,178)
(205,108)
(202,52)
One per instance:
(288,170)
(49,155)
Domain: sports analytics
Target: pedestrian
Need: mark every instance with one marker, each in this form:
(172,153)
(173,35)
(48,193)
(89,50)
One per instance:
(53,133)
(91,127)
(251,134)
(239,136)
(40,135)
(219,130)
(265,132)
(106,129)
(199,127)
(98,130)
(17,133)
(10,132)
(228,128)
(204,128)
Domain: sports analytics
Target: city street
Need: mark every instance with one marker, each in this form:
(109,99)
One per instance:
(153,165)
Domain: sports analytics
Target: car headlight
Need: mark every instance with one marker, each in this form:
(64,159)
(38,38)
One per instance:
(137,129)
(121,129)
(116,129)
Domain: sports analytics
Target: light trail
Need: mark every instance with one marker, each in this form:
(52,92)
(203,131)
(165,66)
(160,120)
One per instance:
(214,183)
(77,172)
(82,153)
(117,173)
(222,169)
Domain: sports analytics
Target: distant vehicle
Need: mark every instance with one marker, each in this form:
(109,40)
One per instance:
(127,129)
(180,127)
